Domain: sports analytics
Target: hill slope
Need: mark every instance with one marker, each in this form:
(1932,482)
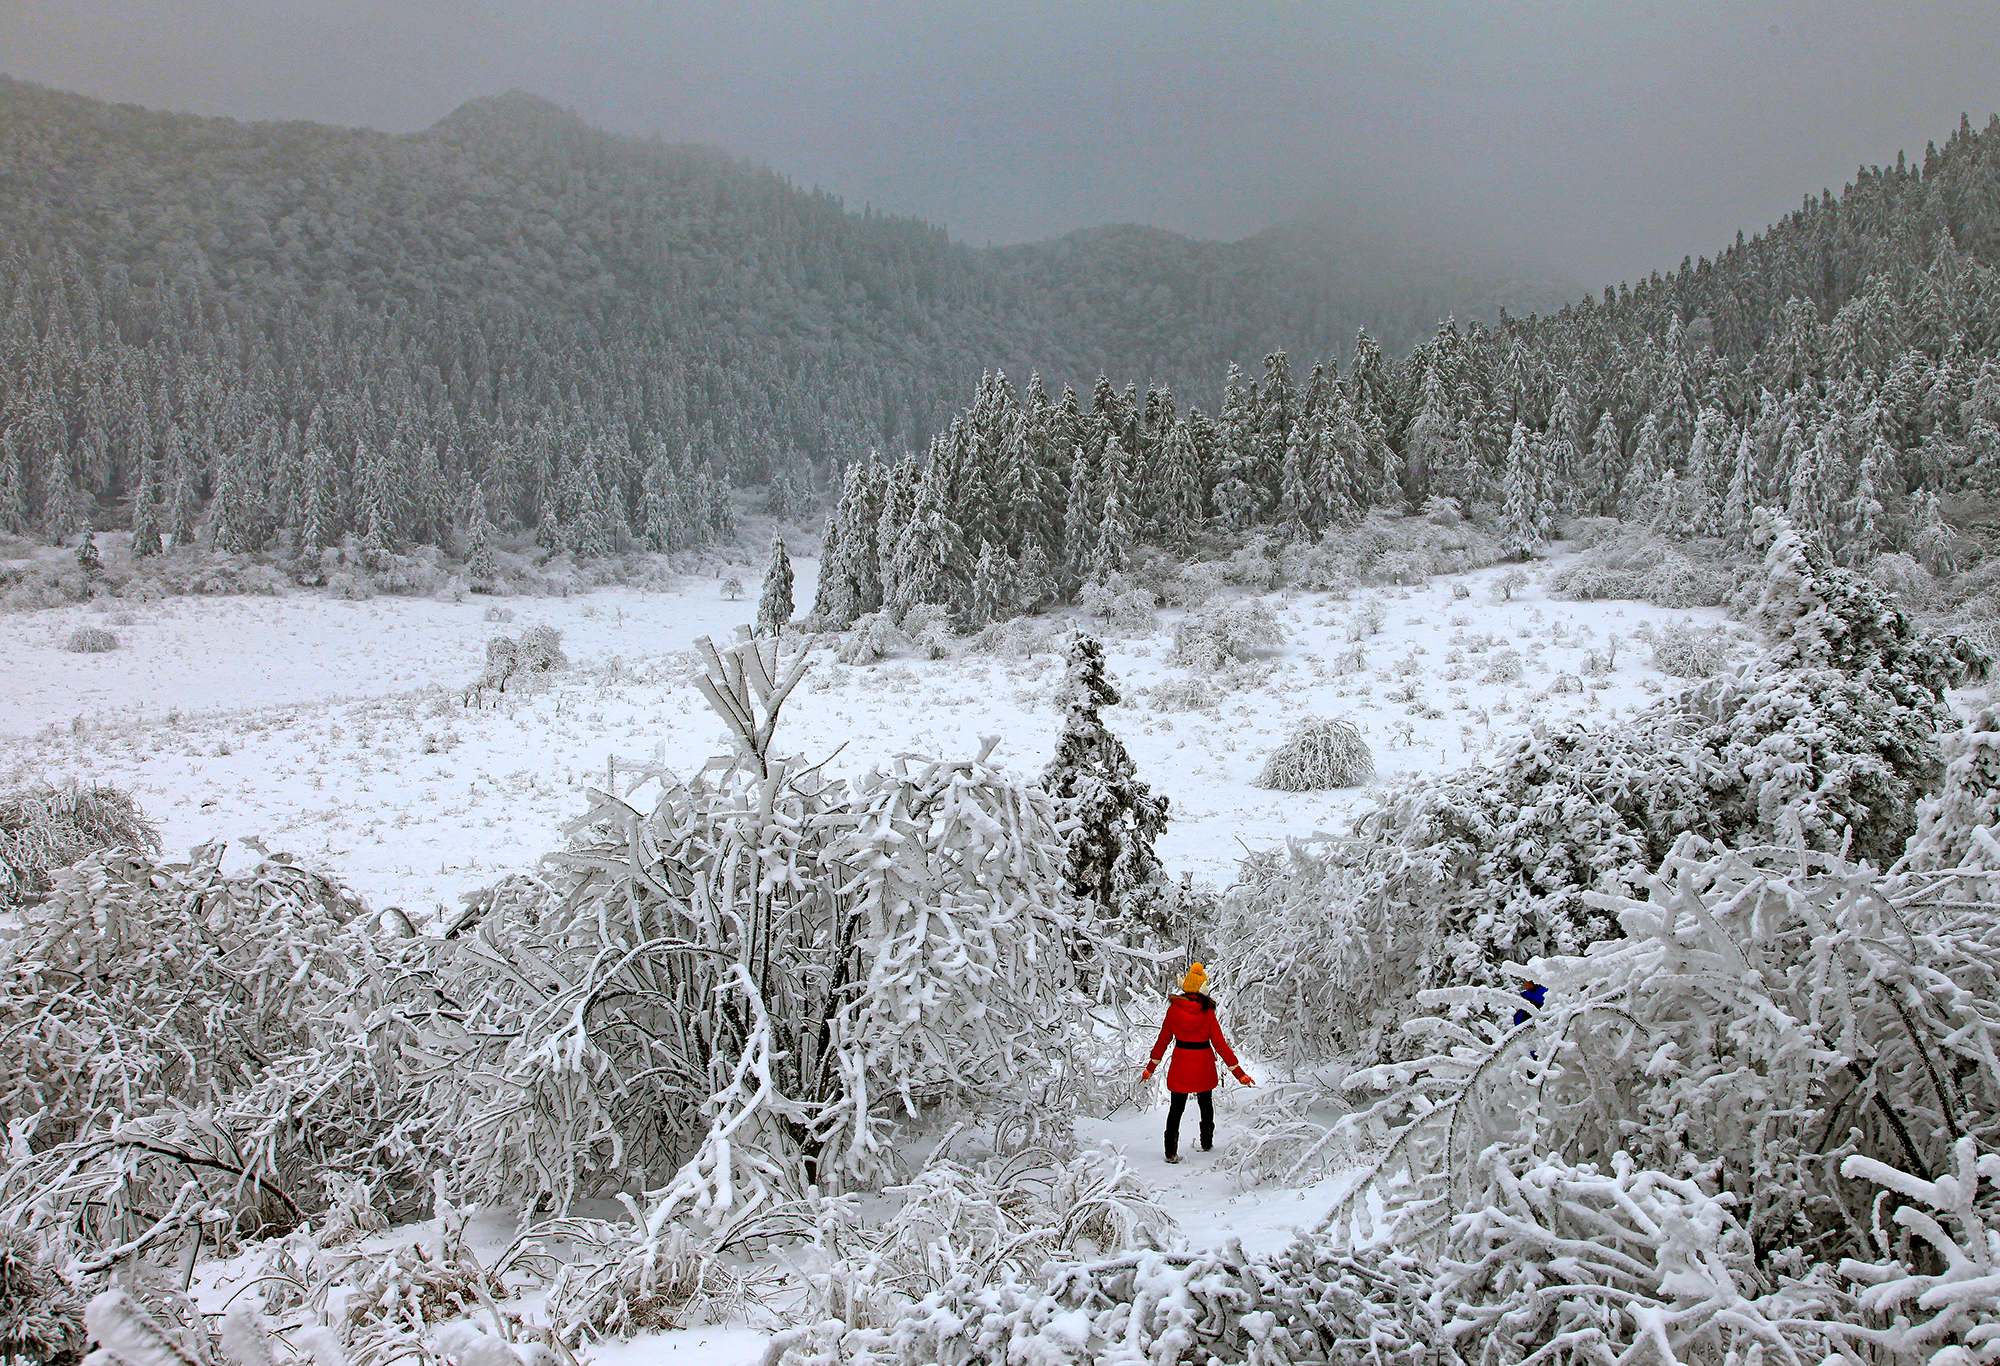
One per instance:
(560,315)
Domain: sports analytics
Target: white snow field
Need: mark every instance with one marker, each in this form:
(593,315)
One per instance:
(340,731)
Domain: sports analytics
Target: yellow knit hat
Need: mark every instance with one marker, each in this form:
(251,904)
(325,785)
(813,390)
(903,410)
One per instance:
(1196,979)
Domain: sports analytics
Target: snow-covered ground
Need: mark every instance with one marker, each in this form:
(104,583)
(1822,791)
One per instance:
(340,731)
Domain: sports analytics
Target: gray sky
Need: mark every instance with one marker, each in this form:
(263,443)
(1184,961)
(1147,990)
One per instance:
(1602,140)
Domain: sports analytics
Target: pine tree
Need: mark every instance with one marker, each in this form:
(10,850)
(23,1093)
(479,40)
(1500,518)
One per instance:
(1864,519)
(87,558)
(1299,501)
(928,557)
(146,512)
(1183,502)
(316,517)
(1739,504)
(1035,585)
(13,487)
(1111,859)
(1082,514)
(1525,517)
(1603,466)
(1703,489)
(1640,492)
(993,597)
(183,502)
(774,605)
(1116,534)
(480,565)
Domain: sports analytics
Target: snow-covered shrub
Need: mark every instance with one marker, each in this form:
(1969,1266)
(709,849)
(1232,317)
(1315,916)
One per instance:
(1312,1303)
(1017,638)
(1325,566)
(1132,614)
(1508,584)
(90,640)
(1701,1138)
(1679,582)
(1252,565)
(1184,693)
(1947,824)
(43,829)
(1320,971)
(874,636)
(1503,668)
(41,1318)
(501,614)
(1367,620)
(816,961)
(1117,609)
(1682,650)
(1617,567)
(381,1305)
(1216,636)
(173,1022)
(1907,581)
(962,1232)
(616,1280)
(1192,586)
(540,650)
(510,662)
(1278,1138)
(126,1335)
(1587,533)
(929,627)
(1319,754)
(1827,741)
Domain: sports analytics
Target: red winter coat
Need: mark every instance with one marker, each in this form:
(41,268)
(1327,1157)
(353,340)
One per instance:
(1193,1069)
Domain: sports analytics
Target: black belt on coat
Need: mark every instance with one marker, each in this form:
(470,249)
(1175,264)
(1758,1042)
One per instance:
(1183,1043)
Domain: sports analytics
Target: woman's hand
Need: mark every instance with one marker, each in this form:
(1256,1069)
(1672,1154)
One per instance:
(1242,1076)
(1147,1075)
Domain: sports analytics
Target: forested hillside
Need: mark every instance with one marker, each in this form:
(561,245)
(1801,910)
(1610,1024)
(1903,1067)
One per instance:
(1840,366)
(280,334)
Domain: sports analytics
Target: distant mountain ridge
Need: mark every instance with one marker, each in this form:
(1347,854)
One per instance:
(517,310)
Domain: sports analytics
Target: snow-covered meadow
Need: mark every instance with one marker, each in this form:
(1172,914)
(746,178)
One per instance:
(340,731)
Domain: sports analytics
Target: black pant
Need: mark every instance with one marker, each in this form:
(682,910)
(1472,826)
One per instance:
(1177,1106)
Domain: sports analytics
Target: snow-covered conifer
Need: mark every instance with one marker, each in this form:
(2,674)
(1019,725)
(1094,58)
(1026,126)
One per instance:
(146,512)
(993,592)
(1526,515)
(1095,784)
(774,604)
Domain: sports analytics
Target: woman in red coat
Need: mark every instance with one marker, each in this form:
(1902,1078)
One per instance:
(1196,1035)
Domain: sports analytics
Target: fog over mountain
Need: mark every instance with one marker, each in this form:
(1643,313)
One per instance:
(1597,140)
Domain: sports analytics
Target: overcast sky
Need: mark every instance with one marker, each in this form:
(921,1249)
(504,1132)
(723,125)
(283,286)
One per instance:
(1599,140)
